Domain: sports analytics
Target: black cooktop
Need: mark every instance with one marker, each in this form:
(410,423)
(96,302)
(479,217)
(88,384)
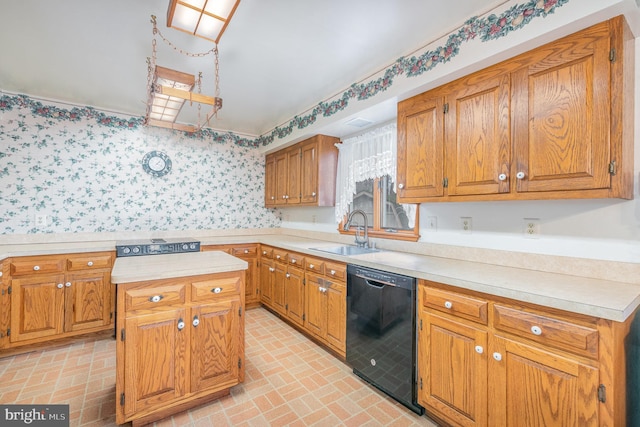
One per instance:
(156,246)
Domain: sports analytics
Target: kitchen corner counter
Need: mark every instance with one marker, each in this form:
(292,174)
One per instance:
(155,267)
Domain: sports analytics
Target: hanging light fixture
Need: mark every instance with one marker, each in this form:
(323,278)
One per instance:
(167,91)
(202,18)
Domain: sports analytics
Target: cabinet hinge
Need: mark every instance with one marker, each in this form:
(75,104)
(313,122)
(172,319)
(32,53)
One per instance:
(240,312)
(121,399)
(111,316)
(304,281)
(420,324)
(445,110)
(122,335)
(612,55)
(286,306)
(8,332)
(304,316)
(239,363)
(420,383)
(612,167)
(9,290)
(445,182)
(602,393)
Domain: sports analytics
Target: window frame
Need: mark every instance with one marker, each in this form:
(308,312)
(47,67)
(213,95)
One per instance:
(375,229)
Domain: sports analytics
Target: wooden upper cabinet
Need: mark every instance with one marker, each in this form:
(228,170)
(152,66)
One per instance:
(477,134)
(562,128)
(302,175)
(421,148)
(553,123)
(270,193)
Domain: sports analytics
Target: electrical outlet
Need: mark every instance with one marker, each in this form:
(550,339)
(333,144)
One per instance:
(531,227)
(41,220)
(465,224)
(313,219)
(432,223)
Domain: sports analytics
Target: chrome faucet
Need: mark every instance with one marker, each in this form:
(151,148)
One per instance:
(361,243)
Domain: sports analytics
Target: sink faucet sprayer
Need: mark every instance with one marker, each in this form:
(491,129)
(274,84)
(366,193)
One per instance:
(361,243)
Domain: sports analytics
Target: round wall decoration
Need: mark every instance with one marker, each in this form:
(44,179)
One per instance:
(156,163)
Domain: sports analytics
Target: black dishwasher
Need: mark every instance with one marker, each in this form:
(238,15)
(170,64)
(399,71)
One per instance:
(381,333)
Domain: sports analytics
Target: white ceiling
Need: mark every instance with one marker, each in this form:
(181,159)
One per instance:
(278,58)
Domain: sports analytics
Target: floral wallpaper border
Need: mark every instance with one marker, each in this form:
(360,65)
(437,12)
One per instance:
(487,28)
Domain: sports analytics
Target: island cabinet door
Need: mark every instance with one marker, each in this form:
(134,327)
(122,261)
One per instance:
(531,388)
(216,335)
(156,358)
(452,363)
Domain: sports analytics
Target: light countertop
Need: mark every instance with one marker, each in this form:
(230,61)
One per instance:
(154,267)
(608,299)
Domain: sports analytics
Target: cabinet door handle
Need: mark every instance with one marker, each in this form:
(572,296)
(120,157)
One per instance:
(216,290)
(180,324)
(401,186)
(68,284)
(36,267)
(502,177)
(497,356)
(448,304)
(536,330)
(59,286)
(287,275)
(520,175)
(90,263)
(196,321)
(271,269)
(313,194)
(479,349)
(155,298)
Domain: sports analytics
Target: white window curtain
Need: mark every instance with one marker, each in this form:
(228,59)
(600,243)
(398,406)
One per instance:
(367,156)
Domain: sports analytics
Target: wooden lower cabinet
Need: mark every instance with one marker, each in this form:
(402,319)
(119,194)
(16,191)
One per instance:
(283,282)
(325,311)
(57,296)
(519,365)
(180,342)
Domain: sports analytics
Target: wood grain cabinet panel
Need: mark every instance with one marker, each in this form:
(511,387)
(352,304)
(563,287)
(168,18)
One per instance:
(248,253)
(555,122)
(89,299)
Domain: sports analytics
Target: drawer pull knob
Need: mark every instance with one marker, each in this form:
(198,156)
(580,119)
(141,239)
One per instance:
(59,286)
(479,349)
(401,186)
(90,263)
(180,324)
(68,284)
(535,330)
(155,298)
(497,356)
(311,266)
(333,272)
(520,175)
(277,256)
(288,275)
(36,267)
(264,252)
(246,251)
(216,290)
(448,304)
(271,269)
(293,260)
(502,177)
(196,321)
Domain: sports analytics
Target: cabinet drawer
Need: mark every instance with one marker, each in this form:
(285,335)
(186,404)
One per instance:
(222,285)
(296,260)
(280,256)
(152,296)
(37,266)
(335,270)
(88,261)
(551,331)
(456,304)
(247,251)
(314,264)
(266,252)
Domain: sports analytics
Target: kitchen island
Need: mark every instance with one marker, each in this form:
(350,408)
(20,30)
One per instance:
(179,332)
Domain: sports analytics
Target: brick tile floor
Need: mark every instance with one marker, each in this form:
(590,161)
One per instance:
(289,381)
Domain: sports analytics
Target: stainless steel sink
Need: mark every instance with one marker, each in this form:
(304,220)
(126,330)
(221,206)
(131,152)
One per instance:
(346,250)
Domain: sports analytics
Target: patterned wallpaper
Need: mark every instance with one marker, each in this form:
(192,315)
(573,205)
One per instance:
(87,176)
